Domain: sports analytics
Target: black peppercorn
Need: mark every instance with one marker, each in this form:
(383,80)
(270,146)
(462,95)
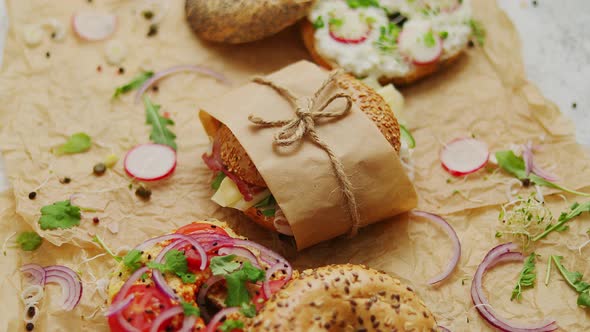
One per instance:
(526,182)
(535,3)
(31,312)
(99,169)
(574,105)
(470,43)
(32,195)
(65,180)
(153,30)
(143,193)
(47,55)
(121,70)
(30,326)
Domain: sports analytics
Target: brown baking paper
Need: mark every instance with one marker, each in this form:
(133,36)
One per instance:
(301,177)
(43,100)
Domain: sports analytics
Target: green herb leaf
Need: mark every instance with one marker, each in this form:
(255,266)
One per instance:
(101,243)
(230,325)
(135,83)
(237,293)
(160,133)
(527,277)
(478,31)
(336,22)
(132,260)
(175,262)
(59,215)
(584,299)
(222,265)
(190,310)
(29,241)
(248,310)
(429,39)
(574,279)
(269,212)
(318,23)
(363,3)
(77,143)
(443,34)
(267,201)
(575,210)
(217,181)
(388,37)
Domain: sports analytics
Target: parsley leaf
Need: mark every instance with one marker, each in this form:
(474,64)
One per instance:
(190,310)
(363,3)
(175,262)
(248,310)
(230,325)
(60,215)
(135,83)
(77,143)
(527,277)
(160,133)
(29,241)
(237,293)
(132,260)
(479,32)
(429,39)
(575,210)
(318,23)
(217,181)
(101,243)
(514,165)
(222,265)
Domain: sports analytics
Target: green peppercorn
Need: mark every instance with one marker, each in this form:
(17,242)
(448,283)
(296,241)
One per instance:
(99,169)
(143,193)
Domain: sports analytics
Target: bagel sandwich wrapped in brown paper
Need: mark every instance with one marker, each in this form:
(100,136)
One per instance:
(334,175)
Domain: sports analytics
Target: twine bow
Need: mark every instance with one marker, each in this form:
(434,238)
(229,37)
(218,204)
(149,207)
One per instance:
(307,112)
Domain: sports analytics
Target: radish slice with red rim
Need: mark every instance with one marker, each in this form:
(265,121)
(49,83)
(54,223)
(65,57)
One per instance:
(150,162)
(420,43)
(351,29)
(464,156)
(94,26)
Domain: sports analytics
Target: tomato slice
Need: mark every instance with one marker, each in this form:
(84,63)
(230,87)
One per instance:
(259,298)
(148,303)
(199,227)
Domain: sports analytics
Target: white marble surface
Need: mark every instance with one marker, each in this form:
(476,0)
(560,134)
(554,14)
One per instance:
(556,47)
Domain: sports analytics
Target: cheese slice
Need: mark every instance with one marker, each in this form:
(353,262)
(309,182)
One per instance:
(243,205)
(227,194)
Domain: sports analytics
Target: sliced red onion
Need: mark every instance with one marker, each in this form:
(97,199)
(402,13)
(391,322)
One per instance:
(454,239)
(69,282)
(202,296)
(500,254)
(443,329)
(32,294)
(35,274)
(117,307)
(281,266)
(531,167)
(240,252)
(178,69)
(212,326)
(152,242)
(544,174)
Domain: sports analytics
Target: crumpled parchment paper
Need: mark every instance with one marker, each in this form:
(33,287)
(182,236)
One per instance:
(45,98)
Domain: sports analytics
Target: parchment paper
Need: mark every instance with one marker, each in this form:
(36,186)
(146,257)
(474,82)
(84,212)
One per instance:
(301,177)
(42,101)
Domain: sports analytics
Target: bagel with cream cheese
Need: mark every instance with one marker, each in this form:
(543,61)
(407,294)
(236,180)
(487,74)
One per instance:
(394,41)
(238,183)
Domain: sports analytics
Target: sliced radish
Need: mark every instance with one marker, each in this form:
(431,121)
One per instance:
(420,43)
(93,26)
(464,156)
(150,162)
(351,29)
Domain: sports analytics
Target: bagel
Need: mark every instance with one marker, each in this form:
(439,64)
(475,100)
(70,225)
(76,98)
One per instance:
(344,298)
(236,161)
(420,38)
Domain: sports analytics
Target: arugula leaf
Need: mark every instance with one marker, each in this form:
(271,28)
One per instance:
(133,260)
(269,212)
(527,277)
(29,241)
(514,165)
(248,310)
(175,262)
(575,210)
(217,181)
(160,133)
(363,3)
(77,143)
(267,201)
(230,325)
(62,215)
(222,265)
(101,243)
(478,30)
(584,299)
(318,23)
(190,310)
(135,83)
(237,293)
(574,279)
(429,39)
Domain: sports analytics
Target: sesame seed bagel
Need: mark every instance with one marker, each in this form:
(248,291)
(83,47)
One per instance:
(344,298)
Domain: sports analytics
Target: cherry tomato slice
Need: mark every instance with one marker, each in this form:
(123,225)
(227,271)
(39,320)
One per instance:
(197,227)
(259,298)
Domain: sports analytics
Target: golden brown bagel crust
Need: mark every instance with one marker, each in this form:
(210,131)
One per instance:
(236,159)
(344,298)
(419,72)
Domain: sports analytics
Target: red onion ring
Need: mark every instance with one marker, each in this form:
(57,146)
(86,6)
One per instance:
(35,274)
(544,174)
(117,307)
(177,69)
(240,252)
(443,329)
(499,254)
(272,270)
(202,295)
(531,167)
(151,242)
(454,239)
(69,282)
(187,324)
(212,326)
